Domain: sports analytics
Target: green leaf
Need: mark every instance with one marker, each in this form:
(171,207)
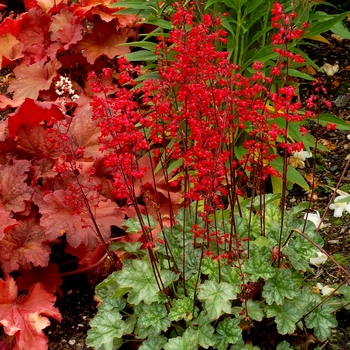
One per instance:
(159,22)
(322,320)
(106,288)
(241,346)
(134,4)
(228,332)
(293,175)
(321,22)
(330,118)
(133,225)
(295,73)
(279,287)
(259,264)
(140,56)
(112,305)
(210,267)
(202,334)
(138,275)
(153,343)
(130,324)
(341,30)
(178,343)
(230,275)
(153,320)
(129,247)
(345,290)
(252,5)
(284,346)
(286,316)
(106,331)
(299,250)
(217,298)
(255,311)
(182,309)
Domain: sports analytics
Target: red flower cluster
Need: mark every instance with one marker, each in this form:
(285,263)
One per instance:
(197,109)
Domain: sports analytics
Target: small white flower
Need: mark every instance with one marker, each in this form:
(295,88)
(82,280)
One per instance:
(297,159)
(315,218)
(325,290)
(75,97)
(302,155)
(339,207)
(320,260)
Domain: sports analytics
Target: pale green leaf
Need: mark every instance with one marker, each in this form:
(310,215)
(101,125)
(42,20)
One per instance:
(279,287)
(178,343)
(202,334)
(129,247)
(112,305)
(217,297)
(138,275)
(133,225)
(182,309)
(230,275)
(228,332)
(241,346)
(255,311)
(106,331)
(259,264)
(106,288)
(154,343)
(322,320)
(284,346)
(153,320)
(325,118)
(130,324)
(286,316)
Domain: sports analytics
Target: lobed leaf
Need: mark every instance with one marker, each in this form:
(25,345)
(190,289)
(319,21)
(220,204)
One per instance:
(106,331)
(228,332)
(138,275)
(279,287)
(217,297)
(24,317)
(13,189)
(322,320)
(152,321)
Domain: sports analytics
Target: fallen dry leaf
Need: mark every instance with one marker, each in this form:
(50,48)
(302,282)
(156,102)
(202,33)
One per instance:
(311,179)
(336,82)
(337,38)
(296,162)
(308,70)
(313,197)
(328,144)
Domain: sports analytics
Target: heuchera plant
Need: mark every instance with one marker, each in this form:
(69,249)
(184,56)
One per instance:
(223,258)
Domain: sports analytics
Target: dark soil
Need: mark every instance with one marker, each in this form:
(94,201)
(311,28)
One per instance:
(78,308)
